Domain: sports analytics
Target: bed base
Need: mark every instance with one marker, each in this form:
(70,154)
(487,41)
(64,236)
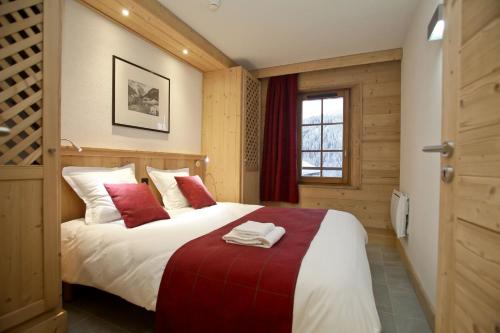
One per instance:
(68,292)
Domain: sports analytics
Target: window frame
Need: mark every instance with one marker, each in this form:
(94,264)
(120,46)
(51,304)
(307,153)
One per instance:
(345,94)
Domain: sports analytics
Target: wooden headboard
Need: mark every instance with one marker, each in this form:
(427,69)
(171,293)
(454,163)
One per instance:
(72,206)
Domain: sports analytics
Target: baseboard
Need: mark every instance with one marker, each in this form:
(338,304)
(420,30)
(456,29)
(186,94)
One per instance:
(378,236)
(417,285)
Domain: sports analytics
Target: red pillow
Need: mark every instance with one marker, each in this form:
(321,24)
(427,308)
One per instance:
(195,192)
(136,203)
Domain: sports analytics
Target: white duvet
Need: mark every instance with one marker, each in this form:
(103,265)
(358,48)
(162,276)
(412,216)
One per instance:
(333,291)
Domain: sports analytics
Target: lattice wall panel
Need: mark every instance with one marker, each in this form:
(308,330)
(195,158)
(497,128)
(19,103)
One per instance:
(21,81)
(252,122)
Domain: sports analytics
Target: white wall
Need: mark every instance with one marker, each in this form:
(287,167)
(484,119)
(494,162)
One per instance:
(421,125)
(89,42)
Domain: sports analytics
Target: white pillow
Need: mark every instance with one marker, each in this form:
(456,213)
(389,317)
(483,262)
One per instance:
(165,182)
(88,183)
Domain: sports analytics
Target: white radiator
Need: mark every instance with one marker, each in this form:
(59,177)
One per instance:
(399,213)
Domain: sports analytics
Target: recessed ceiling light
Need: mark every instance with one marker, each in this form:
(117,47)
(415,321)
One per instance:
(213,5)
(125,12)
(185,51)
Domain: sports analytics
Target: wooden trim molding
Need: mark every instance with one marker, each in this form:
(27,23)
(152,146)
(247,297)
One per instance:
(346,128)
(11,172)
(429,311)
(158,25)
(107,152)
(331,63)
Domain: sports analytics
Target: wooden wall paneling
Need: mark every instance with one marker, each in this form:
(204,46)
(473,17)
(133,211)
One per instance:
(356,123)
(222,132)
(331,63)
(376,102)
(372,73)
(72,206)
(380,163)
(158,25)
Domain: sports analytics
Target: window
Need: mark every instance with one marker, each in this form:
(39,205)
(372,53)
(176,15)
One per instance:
(324,137)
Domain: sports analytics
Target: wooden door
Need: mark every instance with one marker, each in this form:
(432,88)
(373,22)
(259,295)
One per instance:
(469,248)
(29,106)
(250,175)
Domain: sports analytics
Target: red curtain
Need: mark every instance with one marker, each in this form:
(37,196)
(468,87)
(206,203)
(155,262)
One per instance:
(279,161)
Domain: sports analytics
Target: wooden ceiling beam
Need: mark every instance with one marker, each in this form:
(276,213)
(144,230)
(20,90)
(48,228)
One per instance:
(330,63)
(158,25)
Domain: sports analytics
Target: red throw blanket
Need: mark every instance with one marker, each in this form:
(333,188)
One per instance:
(210,286)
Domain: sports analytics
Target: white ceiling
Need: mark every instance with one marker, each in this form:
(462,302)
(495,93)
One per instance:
(265,33)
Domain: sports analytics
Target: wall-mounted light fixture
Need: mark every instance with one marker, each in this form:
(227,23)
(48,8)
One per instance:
(213,5)
(435,29)
(75,146)
(78,148)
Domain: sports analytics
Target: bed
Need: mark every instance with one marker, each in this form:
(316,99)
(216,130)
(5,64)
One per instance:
(333,291)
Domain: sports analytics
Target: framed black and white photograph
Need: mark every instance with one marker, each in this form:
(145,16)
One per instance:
(141,97)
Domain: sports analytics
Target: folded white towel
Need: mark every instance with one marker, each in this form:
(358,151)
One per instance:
(266,241)
(254,229)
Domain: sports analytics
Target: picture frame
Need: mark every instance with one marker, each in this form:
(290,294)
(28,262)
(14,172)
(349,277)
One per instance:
(141,97)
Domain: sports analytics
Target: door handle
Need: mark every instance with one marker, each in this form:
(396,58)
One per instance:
(446,149)
(4,131)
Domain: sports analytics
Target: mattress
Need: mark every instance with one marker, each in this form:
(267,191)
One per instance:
(333,291)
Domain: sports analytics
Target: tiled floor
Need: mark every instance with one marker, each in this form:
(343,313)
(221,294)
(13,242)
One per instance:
(93,311)
(397,304)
